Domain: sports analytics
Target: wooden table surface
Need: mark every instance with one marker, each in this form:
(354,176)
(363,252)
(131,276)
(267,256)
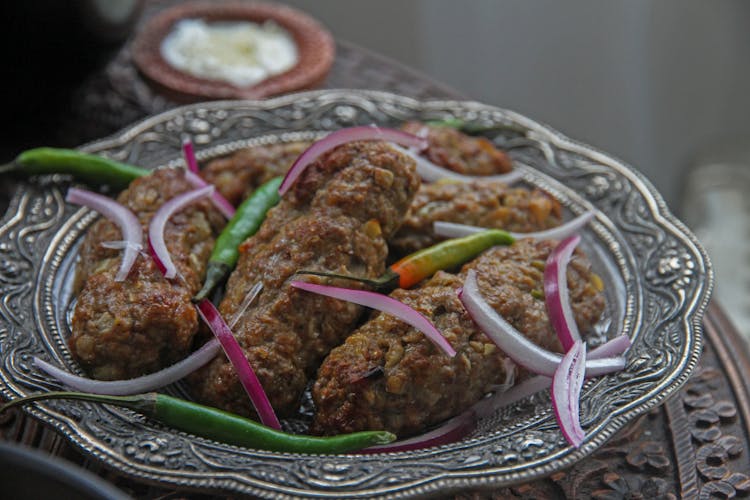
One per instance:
(696,445)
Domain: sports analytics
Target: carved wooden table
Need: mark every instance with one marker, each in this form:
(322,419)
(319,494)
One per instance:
(694,446)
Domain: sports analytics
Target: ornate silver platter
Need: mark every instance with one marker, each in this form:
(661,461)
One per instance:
(658,283)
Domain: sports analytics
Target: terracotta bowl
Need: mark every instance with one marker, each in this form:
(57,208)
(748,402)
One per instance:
(315,47)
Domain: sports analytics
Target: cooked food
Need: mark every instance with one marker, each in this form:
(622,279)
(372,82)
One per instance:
(335,218)
(490,204)
(487,204)
(243,224)
(389,376)
(239,174)
(459,152)
(348,202)
(139,325)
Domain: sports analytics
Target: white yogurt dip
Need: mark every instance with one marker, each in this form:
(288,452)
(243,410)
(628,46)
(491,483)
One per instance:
(238,52)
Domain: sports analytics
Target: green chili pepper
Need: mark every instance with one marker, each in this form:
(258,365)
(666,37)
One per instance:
(86,167)
(222,426)
(448,254)
(246,221)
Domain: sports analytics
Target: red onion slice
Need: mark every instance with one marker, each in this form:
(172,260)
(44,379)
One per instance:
(385,304)
(189,153)
(456,230)
(221,203)
(136,385)
(157,261)
(156,229)
(431,172)
(522,390)
(245,372)
(613,347)
(448,432)
(192,175)
(132,233)
(252,294)
(486,407)
(120,245)
(556,296)
(566,393)
(563,230)
(520,349)
(335,139)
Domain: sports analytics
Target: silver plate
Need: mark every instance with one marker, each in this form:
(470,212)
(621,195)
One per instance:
(659,280)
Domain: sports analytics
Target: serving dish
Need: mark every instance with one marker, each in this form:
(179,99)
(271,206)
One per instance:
(658,283)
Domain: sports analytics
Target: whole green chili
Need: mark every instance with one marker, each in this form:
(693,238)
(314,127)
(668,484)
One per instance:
(448,254)
(83,166)
(246,221)
(222,426)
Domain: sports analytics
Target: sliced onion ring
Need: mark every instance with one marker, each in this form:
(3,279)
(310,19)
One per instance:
(385,304)
(556,295)
(335,139)
(566,393)
(245,372)
(132,233)
(431,172)
(486,407)
(120,245)
(192,175)
(136,385)
(491,404)
(157,260)
(221,203)
(189,154)
(448,432)
(520,349)
(613,347)
(456,230)
(159,222)
(252,294)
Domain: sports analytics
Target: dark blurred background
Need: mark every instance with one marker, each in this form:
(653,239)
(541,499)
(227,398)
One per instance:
(50,47)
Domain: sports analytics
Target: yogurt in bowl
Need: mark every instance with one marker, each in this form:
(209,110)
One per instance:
(234,50)
(242,53)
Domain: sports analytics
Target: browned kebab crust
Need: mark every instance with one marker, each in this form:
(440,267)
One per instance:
(482,203)
(144,323)
(335,218)
(459,152)
(418,384)
(239,174)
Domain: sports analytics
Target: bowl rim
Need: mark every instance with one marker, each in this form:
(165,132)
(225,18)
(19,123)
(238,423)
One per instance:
(315,44)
